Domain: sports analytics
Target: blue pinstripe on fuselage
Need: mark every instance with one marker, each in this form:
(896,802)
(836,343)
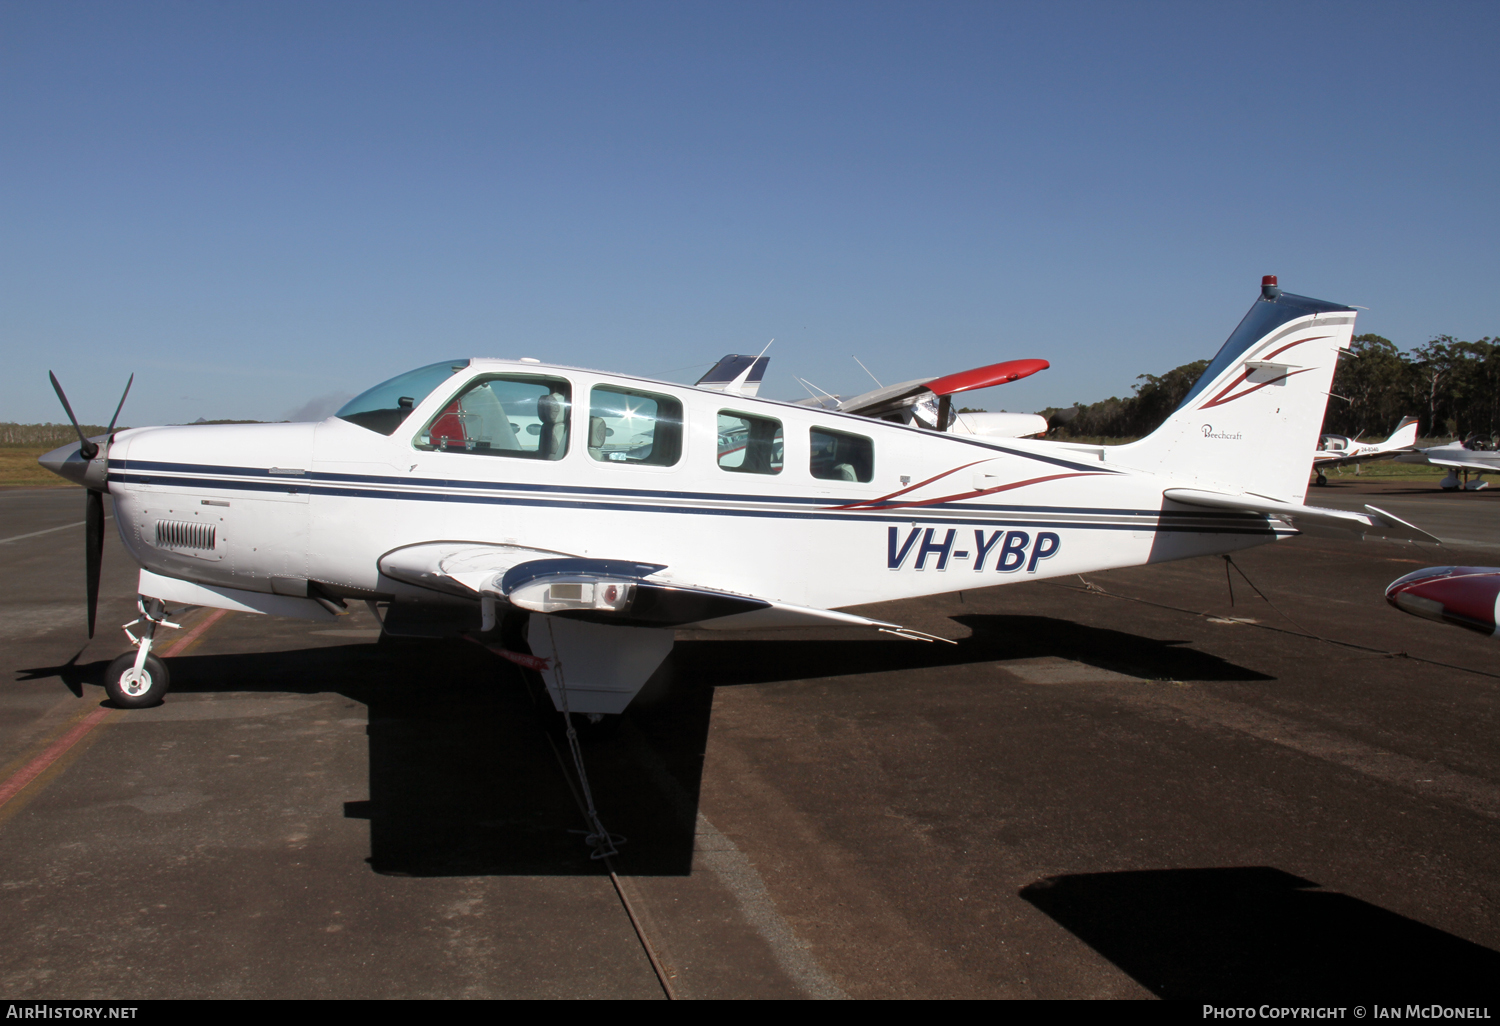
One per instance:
(960,513)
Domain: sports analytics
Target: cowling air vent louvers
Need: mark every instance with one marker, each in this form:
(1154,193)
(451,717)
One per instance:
(175,534)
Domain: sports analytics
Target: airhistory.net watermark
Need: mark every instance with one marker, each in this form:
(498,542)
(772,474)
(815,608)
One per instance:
(41,1010)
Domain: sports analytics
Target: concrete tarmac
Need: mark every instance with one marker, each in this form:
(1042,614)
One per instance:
(1125,786)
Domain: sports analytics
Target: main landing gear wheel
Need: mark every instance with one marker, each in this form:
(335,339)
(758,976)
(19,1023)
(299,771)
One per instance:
(130,689)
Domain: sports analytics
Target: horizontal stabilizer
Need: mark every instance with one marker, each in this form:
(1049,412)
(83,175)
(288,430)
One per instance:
(1373,521)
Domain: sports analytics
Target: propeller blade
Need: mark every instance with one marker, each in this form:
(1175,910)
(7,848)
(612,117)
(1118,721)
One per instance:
(93,550)
(87,449)
(115,419)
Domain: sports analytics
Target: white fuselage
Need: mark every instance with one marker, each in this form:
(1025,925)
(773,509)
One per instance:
(291,503)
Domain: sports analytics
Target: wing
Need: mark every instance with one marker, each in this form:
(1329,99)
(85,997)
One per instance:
(1454,454)
(883,401)
(615,592)
(1472,461)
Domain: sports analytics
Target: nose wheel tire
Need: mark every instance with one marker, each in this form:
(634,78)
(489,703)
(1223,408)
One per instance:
(131,690)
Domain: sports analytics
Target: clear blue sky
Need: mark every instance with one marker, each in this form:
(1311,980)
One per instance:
(257,206)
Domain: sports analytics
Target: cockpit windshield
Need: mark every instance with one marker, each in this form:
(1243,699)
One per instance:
(384,407)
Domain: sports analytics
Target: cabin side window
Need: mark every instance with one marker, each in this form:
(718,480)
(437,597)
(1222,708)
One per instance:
(522,416)
(630,427)
(749,444)
(837,456)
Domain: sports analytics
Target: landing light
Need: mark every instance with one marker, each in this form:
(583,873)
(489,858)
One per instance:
(560,594)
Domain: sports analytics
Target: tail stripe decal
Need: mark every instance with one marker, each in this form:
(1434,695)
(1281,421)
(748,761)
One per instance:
(909,488)
(1289,345)
(882,504)
(1220,400)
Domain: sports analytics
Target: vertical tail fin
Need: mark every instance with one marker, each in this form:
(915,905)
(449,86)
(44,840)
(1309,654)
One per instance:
(1404,437)
(1251,422)
(738,375)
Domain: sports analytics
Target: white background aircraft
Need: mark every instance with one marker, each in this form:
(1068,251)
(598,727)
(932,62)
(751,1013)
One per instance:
(1461,459)
(705,509)
(1339,450)
(928,402)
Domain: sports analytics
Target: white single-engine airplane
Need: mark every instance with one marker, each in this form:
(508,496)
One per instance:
(638,507)
(1460,457)
(1340,450)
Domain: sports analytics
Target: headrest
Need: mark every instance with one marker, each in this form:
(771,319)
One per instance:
(550,408)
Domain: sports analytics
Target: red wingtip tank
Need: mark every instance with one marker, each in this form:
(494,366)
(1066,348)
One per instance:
(1464,596)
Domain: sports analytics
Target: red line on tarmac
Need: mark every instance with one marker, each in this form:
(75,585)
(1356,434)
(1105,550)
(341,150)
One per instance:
(33,769)
(196,633)
(36,767)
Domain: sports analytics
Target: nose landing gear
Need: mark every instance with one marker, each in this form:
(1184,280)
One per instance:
(139,679)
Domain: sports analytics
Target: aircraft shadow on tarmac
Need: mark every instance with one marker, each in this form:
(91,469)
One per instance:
(994,637)
(465,776)
(466,757)
(1252,934)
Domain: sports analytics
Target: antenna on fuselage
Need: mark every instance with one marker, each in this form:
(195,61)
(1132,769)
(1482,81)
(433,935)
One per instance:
(824,391)
(866,370)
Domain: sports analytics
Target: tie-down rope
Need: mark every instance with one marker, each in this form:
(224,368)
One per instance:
(1091,588)
(600,839)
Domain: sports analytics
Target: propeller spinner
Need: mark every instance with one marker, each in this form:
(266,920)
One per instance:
(87,465)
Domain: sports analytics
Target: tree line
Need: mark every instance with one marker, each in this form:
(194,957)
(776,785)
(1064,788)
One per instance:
(45,434)
(1452,386)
